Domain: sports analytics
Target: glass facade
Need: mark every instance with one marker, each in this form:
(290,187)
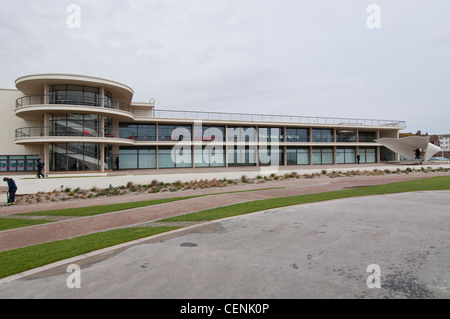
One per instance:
(270,134)
(138,132)
(19,163)
(346,136)
(174,132)
(241,134)
(77,157)
(368,154)
(323,155)
(137,157)
(241,156)
(345,155)
(270,156)
(78,125)
(298,156)
(386,155)
(297,135)
(78,95)
(169,157)
(322,135)
(209,157)
(367,137)
(209,133)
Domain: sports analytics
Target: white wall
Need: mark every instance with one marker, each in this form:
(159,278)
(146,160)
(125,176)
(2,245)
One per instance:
(9,122)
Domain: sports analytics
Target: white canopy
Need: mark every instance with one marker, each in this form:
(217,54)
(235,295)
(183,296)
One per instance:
(407,146)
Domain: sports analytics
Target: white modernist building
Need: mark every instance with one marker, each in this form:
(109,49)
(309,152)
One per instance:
(83,123)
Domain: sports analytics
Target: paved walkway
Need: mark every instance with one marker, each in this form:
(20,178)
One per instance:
(23,237)
(318,250)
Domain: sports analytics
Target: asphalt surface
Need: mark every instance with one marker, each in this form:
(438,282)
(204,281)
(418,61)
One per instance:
(319,250)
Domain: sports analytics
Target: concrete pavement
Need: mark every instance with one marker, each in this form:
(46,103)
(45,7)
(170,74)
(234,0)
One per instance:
(319,250)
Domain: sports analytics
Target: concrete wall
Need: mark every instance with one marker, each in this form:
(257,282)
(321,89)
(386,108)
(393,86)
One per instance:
(9,122)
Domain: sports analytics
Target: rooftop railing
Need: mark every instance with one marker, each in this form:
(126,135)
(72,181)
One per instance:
(74,100)
(243,117)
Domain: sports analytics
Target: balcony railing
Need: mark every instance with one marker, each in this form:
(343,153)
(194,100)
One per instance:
(74,100)
(242,117)
(33,132)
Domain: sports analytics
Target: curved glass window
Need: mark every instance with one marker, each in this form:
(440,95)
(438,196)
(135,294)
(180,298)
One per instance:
(77,125)
(78,95)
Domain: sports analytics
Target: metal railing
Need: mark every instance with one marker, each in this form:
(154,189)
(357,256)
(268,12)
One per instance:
(47,131)
(74,100)
(242,117)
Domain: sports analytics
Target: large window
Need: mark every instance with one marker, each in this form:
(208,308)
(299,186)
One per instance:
(270,156)
(174,133)
(297,135)
(209,157)
(367,137)
(138,132)
(75,157)
(78,95)
(322,135)
(368,154)
(270,134)
(241,156)
(137,158)
(345,155)
(241,134)
(298,156)
(77,125)
(18,163)
(172,157)
(323,156)
(209,133)
(346,136)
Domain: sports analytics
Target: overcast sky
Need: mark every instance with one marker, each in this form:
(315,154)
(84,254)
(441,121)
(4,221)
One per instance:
(293,57)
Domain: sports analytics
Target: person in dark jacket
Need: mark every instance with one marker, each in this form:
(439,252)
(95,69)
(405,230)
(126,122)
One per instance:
(40,166)
(12,189)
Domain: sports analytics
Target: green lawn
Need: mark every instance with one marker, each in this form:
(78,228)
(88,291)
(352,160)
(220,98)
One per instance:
(23,259)
(7,223)
(19,260)
(434,183)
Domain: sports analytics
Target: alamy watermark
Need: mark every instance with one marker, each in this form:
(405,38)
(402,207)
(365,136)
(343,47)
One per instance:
(374,280)
(74,280)
(74,19)
(374,19)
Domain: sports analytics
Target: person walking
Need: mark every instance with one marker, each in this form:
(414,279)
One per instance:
(40,166)
(117,163)
(358,158)
(417,153)
(12,189)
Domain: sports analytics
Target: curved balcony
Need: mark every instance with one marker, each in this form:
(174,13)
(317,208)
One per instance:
(30,106)
(39,135)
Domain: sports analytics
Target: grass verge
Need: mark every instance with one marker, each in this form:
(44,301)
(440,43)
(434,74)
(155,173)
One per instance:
(434,183)
(23,259)
(7,223)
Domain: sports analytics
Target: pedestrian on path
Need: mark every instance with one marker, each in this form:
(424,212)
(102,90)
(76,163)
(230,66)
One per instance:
(12,189)
(40,166)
